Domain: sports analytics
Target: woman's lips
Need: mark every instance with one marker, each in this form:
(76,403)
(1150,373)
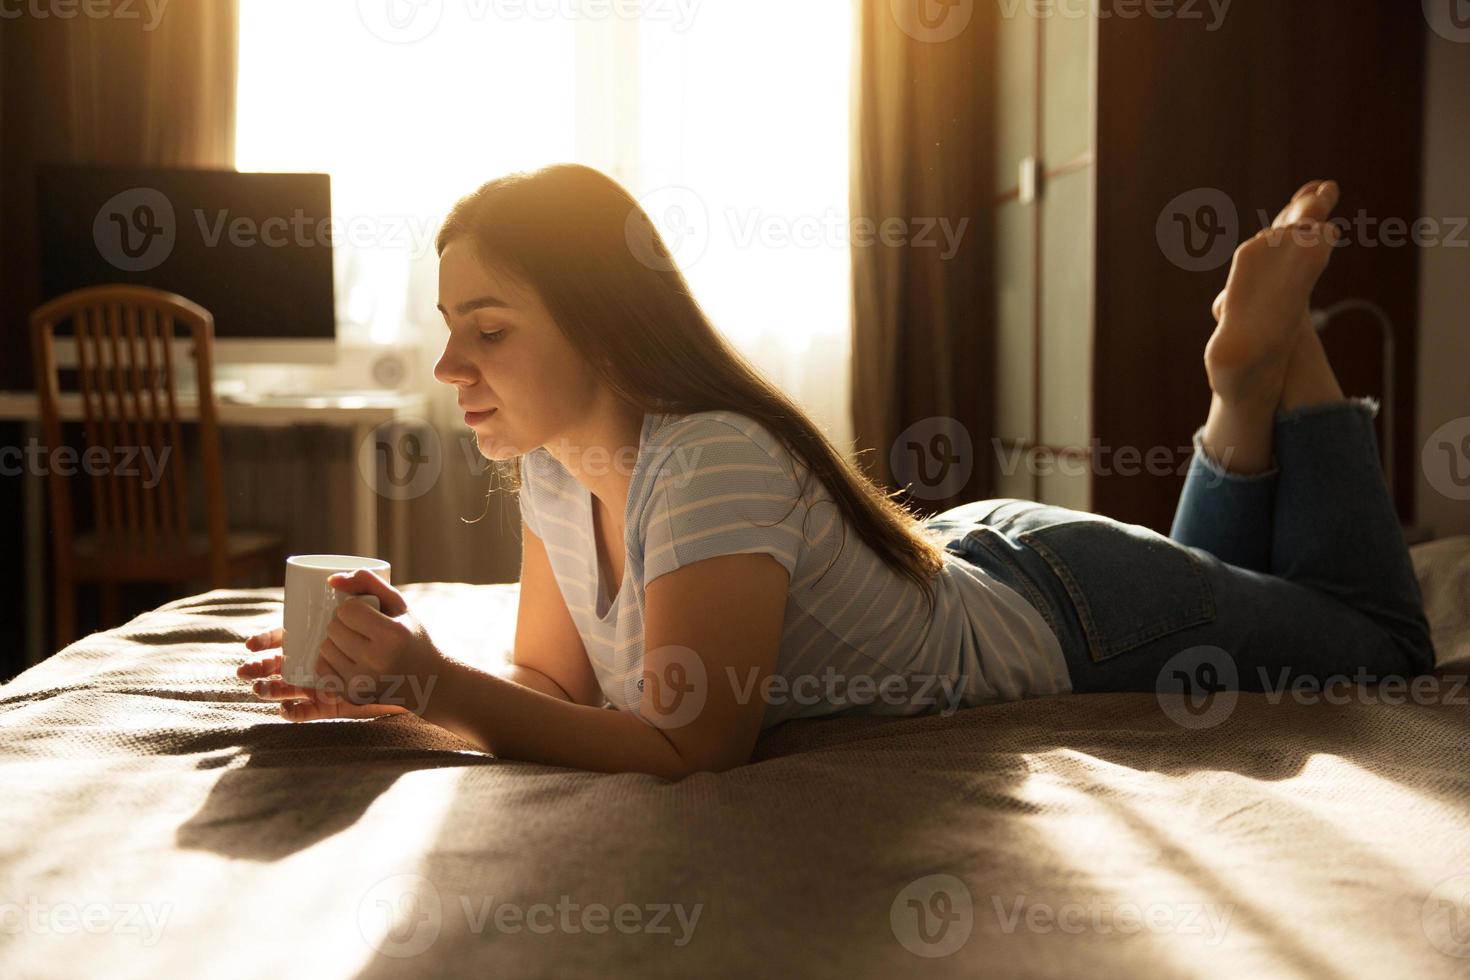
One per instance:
(474,418)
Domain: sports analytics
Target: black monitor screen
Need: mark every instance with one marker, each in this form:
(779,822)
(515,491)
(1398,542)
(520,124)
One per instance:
(253,249)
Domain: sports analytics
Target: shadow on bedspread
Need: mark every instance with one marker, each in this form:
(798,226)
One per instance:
(1049,837)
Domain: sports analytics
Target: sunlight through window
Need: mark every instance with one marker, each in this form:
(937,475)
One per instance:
(739,108)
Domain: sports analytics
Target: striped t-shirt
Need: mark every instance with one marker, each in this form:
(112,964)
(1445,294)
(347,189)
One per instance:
(857,635)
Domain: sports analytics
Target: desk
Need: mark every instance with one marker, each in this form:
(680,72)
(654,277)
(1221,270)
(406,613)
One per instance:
(360,412)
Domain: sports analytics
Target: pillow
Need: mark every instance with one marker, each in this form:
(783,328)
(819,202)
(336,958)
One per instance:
(1443,568)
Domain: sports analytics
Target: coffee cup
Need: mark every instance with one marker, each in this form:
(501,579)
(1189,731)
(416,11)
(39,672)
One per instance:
(311,604)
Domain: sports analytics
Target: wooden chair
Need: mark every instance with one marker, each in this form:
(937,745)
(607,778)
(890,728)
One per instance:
(124,338)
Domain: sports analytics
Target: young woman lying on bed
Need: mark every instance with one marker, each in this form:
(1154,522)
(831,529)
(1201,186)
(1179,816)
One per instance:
(699,557)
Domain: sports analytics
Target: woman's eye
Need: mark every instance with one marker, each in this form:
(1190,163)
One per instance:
(493,337)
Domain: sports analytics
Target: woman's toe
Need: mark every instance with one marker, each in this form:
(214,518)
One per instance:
(1314,202)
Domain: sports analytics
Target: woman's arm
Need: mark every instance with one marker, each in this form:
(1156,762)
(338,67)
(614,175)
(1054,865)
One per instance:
(549,655)
(712,630)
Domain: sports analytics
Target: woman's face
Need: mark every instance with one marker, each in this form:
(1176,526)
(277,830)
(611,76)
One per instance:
(504,352)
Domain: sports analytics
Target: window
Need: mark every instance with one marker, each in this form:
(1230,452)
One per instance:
(729,120)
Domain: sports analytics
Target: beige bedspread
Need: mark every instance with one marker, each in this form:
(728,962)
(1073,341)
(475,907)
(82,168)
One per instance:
(161,821)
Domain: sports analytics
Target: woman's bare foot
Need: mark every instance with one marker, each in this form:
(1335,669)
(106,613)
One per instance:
(1262,314)
(1263,309)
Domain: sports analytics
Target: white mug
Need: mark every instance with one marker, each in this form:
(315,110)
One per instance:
(310,605)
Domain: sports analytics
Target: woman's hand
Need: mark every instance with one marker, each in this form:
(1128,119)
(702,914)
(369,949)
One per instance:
(300,703)
(378,656)
(372,662)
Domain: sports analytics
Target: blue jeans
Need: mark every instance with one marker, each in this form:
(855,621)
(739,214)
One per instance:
(1302,570)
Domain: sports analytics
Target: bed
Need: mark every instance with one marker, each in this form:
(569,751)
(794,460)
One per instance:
(161,821)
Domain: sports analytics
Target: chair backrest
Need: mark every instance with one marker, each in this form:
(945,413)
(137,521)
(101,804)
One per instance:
(126,377)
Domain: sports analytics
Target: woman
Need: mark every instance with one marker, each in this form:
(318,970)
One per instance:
(697,555)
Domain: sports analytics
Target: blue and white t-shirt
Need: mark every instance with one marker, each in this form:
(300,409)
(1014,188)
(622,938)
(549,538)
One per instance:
(858,635)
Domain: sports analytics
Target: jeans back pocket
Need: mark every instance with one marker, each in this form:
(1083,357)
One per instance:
(1129,585)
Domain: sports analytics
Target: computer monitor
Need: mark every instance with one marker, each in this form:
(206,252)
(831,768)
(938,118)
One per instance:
(255,249)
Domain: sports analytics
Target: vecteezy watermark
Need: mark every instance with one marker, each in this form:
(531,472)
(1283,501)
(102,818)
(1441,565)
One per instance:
(410,21)
(1371,231)
(933,21)
(137,229)
(1362,687)
(404,458)
(673,228)
(408,691)
(145,919)
(670,229)
(1446,459)
(935,693)
(1104,916)
(401,459)
(933,458)
(403,915)
(1211,12)
(90,9)
(1445,916)
(39,460)
(1098,459)
(831,230)
(933,916)
(1450,19)
(400,21)
(409,232)
(1199,230)
(677,466)
(1198,687)
(672,686)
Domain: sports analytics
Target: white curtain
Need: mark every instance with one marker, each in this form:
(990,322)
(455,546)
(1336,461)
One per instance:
(728,119)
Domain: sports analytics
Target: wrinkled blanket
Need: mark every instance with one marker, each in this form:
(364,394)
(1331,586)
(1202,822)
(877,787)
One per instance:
(161,821)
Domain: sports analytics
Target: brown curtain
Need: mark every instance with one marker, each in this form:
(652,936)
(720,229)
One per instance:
(125,91)
(923,323)
(116,90)
(177,104)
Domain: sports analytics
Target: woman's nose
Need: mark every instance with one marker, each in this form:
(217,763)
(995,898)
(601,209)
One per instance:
(451,369)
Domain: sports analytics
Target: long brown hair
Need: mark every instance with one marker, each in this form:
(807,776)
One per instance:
(609,281)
